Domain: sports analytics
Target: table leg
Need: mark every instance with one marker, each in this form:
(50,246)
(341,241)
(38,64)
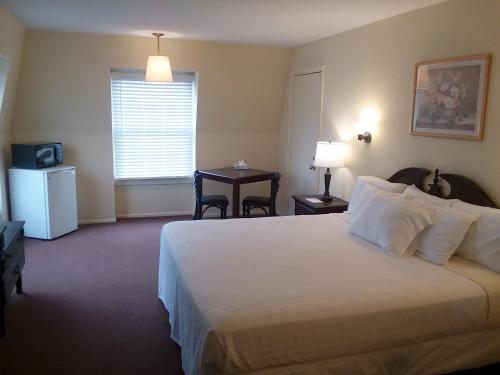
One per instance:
(2,309)
(19,284)
(236,200)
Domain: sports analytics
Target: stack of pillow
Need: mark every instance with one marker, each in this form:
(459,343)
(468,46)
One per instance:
(403,220)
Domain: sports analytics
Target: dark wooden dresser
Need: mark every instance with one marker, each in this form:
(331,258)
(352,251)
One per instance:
(304,207)
(11,263)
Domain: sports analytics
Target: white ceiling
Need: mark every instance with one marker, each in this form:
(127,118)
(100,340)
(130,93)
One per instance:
(275,22)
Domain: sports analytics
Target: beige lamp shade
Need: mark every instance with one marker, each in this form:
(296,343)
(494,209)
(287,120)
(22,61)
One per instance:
(329,155)
(158,69)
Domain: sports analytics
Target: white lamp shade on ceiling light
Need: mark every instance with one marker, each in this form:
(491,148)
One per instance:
(329,155)
(158,69)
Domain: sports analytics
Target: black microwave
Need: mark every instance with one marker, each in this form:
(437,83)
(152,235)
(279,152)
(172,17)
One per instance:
(36,155)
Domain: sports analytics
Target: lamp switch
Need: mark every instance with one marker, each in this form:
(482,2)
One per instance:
(439,166)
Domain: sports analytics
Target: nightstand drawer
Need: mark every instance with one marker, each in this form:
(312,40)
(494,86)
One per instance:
(304,206)
(12,266)
(13,254)
(301,209)
(9,280)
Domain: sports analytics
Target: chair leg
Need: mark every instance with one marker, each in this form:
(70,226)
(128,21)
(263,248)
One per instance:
(196,211)
(202,211)
(221,212)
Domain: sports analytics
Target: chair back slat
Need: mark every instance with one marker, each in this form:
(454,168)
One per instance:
(275,185)
(198,185)
(200,201)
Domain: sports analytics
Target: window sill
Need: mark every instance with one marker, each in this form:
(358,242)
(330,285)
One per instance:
(154,181)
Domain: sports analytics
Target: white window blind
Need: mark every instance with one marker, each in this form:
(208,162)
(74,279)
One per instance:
(153,126)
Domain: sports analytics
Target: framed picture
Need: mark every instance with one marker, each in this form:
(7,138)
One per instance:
(450,97)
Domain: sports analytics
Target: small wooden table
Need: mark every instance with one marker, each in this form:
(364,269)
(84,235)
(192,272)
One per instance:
(304,207)
(236,177)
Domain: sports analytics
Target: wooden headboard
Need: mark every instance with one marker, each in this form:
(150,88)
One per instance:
(461,187)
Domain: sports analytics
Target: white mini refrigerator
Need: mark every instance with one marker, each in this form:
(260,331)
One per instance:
(45,199)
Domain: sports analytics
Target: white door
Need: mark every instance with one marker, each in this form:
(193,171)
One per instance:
(61,202)
(304,132)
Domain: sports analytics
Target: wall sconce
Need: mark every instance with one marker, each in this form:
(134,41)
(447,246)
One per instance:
(366,136)
(365,125)
(363,132)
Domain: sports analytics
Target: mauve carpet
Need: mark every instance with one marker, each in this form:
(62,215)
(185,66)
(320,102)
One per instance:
(90,306)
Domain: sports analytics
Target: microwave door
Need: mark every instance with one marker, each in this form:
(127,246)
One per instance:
(45,157)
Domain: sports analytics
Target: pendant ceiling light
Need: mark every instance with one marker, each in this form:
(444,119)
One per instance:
(158,69)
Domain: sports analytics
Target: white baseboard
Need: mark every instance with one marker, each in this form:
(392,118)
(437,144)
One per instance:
(280,213)
(170,213)
(154,214)
(147,214)
(214,214)
(150,214)
(96,221)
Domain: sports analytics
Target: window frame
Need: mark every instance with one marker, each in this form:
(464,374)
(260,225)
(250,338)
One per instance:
(139,74)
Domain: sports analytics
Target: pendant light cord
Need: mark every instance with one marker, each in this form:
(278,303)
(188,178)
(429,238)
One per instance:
(158,35)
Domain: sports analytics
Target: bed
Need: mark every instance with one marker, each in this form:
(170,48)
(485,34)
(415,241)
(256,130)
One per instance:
(260,297)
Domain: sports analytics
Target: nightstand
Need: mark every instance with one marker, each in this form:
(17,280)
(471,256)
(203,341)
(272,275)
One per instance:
(304,207)
(11,263)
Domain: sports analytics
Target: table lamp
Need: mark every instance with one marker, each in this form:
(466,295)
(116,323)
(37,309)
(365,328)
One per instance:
(329,155)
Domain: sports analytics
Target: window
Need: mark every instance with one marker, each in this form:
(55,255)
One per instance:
(4,65)
(153,126)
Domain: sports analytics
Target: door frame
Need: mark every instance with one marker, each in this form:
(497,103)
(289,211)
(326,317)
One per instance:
(5,69)
(304,70)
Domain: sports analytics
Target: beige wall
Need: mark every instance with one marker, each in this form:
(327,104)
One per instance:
(64,95)
(373,66)
(11,47)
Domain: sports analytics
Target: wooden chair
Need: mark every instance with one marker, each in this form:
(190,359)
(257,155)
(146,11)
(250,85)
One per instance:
(267,204)
(219,201)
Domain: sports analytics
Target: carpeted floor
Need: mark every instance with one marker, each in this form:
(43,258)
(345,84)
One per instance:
(90,306)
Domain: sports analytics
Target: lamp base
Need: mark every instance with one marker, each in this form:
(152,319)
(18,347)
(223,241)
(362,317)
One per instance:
(326,198)
(326,195)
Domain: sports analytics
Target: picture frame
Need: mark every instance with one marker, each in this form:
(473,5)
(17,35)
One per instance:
(450,97)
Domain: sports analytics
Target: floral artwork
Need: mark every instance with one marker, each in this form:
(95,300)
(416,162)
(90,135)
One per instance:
(450,98)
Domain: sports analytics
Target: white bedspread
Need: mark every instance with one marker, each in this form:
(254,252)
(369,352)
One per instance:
(250,294)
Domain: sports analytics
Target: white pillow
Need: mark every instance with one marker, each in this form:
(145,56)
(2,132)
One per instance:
(364,192)
(389,221)
(414,192)
(482,242)
(357,198)
(438,242)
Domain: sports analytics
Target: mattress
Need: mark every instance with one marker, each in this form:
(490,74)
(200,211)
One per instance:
(249,295)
